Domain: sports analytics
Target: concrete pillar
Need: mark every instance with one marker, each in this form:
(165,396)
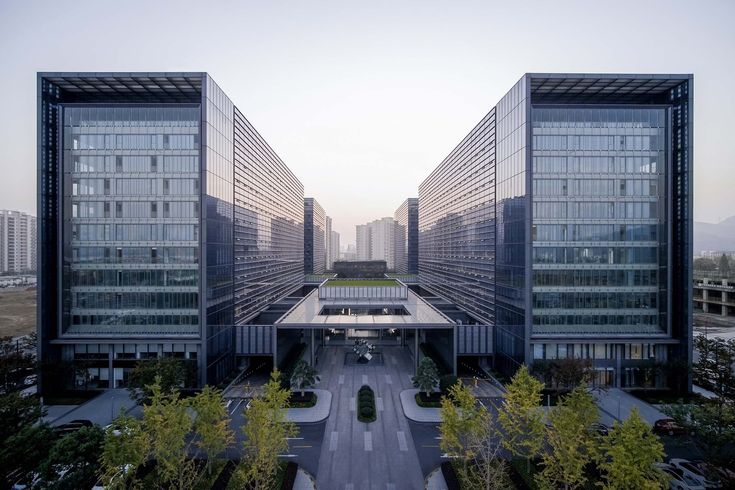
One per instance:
(619,351)
(311,347)
(111,373)
(416,351)
(454,350)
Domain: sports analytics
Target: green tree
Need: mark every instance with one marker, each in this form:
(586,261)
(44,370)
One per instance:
(126,447)
(25,450)
(723,266)
(15,363)
(427,376)
(713,368)
(571,443)
(16,412)
(167,422)
(467,437)
(628,455)
(212,423)
(712,422)
(303,376)
(571,372)
(521,417)
(73,461)
(266,432)
(169,371)
(704,264)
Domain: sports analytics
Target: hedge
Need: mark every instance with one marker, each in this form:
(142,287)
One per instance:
(366,404)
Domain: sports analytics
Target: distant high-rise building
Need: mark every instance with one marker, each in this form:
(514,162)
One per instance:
(349,253)
(328,244)
(563,223)
(333,248)
(407,237)
(377,241)
(17,242)
(165,222)
(315,237)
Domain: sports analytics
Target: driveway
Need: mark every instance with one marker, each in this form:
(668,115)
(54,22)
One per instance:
(618,404)
(358,456)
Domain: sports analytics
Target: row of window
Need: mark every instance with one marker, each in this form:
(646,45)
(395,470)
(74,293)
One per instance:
(146,163)
(135,209)
(134,142)
(571,142)
(89,233)
(135,319)
(135,187)
(595,187)
(597,165)
(595,255)
(156,277)
(137,300)
(595,277)
(135,255)
(585,319)
(594,233)
(121,116)
(595,210)
(608,300)
(592,351)
(600,117)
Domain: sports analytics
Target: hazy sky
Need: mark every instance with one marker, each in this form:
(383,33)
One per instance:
(363,99)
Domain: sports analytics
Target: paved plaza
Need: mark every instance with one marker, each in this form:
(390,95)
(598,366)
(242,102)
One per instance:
(359,456)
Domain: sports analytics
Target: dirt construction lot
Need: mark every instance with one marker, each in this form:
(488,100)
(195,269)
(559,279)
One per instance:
(17,311)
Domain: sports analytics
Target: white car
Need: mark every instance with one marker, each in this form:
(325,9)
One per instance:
(678,480)
(690,469)
(30,380)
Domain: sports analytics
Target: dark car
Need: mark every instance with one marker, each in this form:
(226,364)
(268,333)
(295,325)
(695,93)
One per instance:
(69,428)
(83,422)
(668,427)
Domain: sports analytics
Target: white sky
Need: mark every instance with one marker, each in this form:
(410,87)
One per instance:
(363,99)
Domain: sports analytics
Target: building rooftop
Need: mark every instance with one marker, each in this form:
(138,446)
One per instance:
(415,313)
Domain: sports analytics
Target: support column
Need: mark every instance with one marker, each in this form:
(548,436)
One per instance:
(311,347)
(454,349)
(416,351)
(111,371)
(275,346)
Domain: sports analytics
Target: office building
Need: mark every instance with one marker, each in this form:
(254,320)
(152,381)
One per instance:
(17,242)
(333,250)
(328,245)
(407,237)
(165,220)
(362,242)
(315,237)
(562,223)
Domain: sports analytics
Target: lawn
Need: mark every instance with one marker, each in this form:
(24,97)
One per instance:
(364,282)
(17,311)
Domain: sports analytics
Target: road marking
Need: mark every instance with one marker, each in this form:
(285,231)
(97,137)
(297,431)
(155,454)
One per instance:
(388,379)
(379,403)
(333,441)
(299,447)
(438,438)
(236,405)
(368,441)
(287,455)
(429,445)
(364,379)
(352,404)
(445,456)
(294,438)
(402,441)
(341,379)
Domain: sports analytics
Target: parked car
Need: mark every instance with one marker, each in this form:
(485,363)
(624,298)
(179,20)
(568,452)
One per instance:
(678,480)
(668,427)
(69,428)
(83,422)
(708,480)
(30,380)
(726,475)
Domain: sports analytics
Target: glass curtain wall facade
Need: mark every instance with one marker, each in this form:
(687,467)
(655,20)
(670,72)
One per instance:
(407,236)
(315,239)
(136,227)
(590,185)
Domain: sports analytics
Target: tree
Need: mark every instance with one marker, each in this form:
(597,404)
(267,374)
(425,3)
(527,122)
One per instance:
(170,372)
(15,363)
(723,266)
(167,422)
(713,368)
(427,376)
(16,412)
(212,423)
(571,445)
(77,454)
(266,432)
(704,264)
(125,448)
(25,450)
(303,376)
(628,455)
(571,372)
(521,417)
(466,436)
(712,422)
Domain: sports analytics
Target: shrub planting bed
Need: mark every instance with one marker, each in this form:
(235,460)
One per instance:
(433,400)
(366,405)
(308,400)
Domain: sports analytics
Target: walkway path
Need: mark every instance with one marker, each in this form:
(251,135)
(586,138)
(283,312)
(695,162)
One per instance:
(358,456)
(618,404)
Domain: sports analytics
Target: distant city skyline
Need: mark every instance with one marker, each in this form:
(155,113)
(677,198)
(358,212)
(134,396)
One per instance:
(362,101)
